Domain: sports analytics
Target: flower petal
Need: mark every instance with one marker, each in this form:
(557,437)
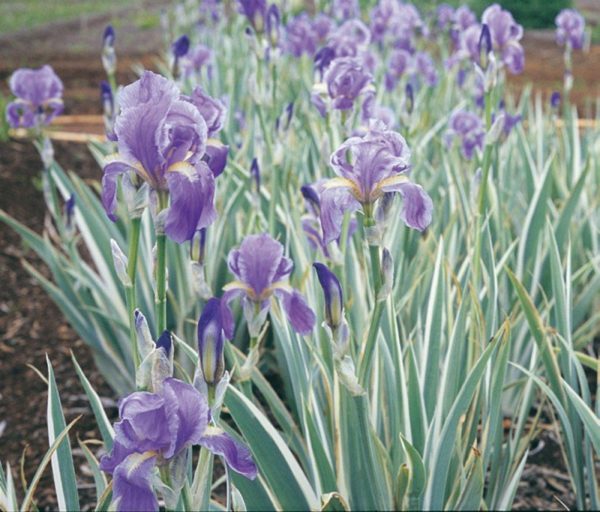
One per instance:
(132,484)
(192,192)
(334,203)
(237,456)
(417,206)
(112,171)
(301,316)
(216,157)
(192,412)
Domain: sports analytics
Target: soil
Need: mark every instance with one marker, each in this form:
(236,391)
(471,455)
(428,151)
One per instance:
(32,327)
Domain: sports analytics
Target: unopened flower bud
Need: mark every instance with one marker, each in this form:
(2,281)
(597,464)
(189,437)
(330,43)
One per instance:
(210,342)
(120,263)
(197,246)
(69,217)
(109,58)
(145,342)
(410,98)
(387,274)
(485,47)
(332,290)
(181,46)
(255,173)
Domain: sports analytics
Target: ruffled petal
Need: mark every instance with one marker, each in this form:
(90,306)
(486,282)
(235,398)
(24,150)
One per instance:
(20,114)
(132,484)
(237,456)
(334,203)
(417,206)
(192,191)
(300,315)
(192,412)
(118,454)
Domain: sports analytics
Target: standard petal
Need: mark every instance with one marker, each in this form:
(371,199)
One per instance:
(257,261)
(334,203)
(183,133)
(132,484)
(301,316)
(192,412)
(417,206)
(237,456)
(192,191)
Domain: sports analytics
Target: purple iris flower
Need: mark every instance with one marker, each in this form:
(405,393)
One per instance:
(162,138)
(555,100)
(570,28)
(301,36)
(463,18)
(468,127)
(444,15)
(510,121)
(154,429)
(346,79)
(367,167)
(399,63)
(255,11)
(345,9)
(262,271)
(323,26)
(381,18)
(426,68)
(350,39)
(38,97)
(506,35)
(198,57)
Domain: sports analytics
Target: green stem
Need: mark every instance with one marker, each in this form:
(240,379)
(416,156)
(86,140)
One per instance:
(130,291)
(481,199)
(367,353)
(161,273)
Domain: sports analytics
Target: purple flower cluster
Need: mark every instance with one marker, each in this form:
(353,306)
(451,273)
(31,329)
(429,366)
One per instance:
(156,429)
(570,28)
(38,97)
(162,137)
(368,166)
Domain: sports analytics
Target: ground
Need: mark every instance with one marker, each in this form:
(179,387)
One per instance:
(31,326)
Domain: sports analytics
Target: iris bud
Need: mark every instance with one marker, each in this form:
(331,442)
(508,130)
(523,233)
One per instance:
(332,290)
(210,342)
(485,47)
(69,214)
(387,274)
(109,58)
(120,263)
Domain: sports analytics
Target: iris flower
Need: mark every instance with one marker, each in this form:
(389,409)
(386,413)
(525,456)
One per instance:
(570,28)
(162,138)
(38,97)
(262,272)
(154,429)
(367,167)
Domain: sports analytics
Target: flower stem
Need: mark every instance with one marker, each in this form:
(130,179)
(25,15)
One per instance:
(161,274)
(367,353)
(481,199)
(130,291)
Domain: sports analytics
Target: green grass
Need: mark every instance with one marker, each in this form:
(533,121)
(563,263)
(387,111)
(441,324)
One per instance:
(24,14)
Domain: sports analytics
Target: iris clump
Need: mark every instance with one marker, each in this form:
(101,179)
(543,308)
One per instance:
(358,254)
